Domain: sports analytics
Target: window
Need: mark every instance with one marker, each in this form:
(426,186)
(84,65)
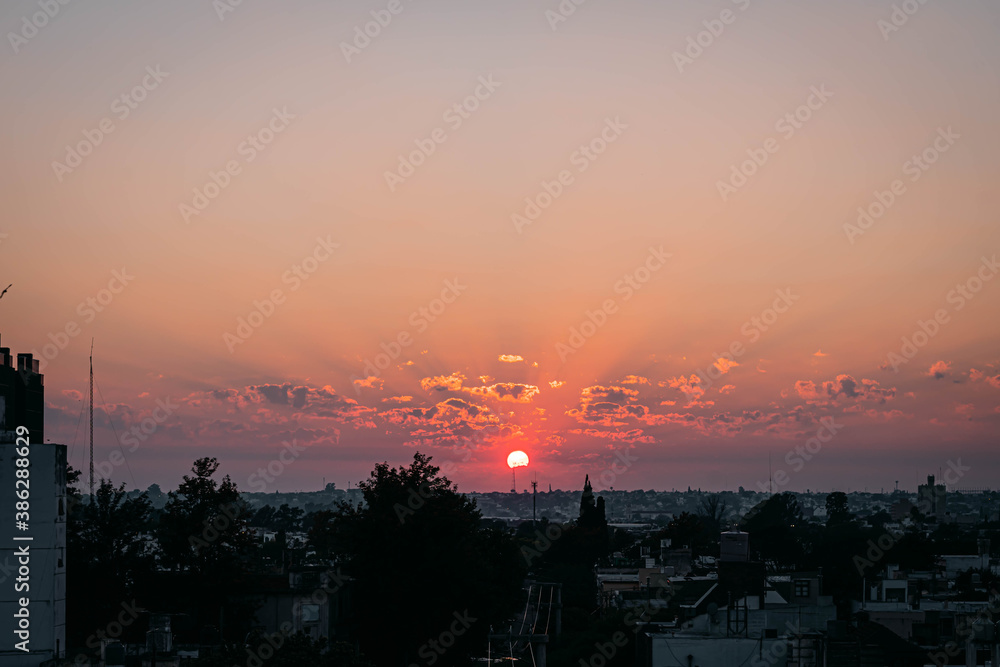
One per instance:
(310,613)
(802,588)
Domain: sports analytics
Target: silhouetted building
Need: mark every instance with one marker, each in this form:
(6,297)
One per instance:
(21,399)
(43,556)
(592,513)
(932,498)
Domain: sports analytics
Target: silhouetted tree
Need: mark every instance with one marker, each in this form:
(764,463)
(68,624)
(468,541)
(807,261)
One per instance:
(423,566)
(203,527)
(204,538)
(107,557)
(775,526)
(837,511)
(714,509)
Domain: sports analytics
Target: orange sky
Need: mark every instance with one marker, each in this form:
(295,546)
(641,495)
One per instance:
(681,191)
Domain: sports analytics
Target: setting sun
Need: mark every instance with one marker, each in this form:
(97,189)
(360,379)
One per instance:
(517,459)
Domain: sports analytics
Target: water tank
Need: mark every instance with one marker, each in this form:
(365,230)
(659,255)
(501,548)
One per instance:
(734,547)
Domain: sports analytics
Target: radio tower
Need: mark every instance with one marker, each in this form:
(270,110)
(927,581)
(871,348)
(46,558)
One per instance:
(91,420)
(534,492)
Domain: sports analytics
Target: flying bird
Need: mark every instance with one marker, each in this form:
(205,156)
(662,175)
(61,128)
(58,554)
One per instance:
(5,290)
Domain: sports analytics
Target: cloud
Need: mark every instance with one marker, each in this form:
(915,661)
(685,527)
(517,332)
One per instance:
(398,399)
(724,365)
(844,387)
(635,379)
(634,435)
(451,382)
(510,358)
(555,384)
(806,389)
(939,369)
(370,382)
(507,391)
(980,376)
(274,393)
(820,353)
(727,389)
(965,410)
(689,386)
(611,394)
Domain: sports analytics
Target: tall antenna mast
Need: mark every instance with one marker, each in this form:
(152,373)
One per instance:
(534,492)
(770,477)
(91,420)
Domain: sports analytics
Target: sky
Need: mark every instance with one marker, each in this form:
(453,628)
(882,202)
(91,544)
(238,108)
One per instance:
(657,243)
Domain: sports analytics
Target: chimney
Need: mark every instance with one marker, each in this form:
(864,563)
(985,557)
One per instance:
(25,362)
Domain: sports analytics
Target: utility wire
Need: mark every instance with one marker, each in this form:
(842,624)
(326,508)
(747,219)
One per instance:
(117,439)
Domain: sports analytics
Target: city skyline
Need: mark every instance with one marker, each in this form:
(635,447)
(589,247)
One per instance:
(696,234)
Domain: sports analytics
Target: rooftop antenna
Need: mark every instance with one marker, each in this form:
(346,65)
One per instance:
(91,420)
(534,490)
(770,490)
(513,477)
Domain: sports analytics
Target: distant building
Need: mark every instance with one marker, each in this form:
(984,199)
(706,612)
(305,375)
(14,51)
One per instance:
(932,498)
(44,588)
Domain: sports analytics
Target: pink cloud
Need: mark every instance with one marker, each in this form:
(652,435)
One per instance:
(938,370)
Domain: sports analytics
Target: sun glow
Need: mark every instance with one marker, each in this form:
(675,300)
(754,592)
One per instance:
(517,459)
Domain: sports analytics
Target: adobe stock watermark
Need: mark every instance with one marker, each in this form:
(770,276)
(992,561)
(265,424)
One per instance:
(128,615)
(966,631)
(88,309)
(787,126)
(752,329)
(957,297)
(800,454)
(215,526)
(541,543)
(454,116)
(433,649)
(778,650)
(420,320)
(879,547)
(366,32)
(562,12)
(699,42)
(270,643)
(899,17)
(581,158)
(915,167)
(623,461)
(223,7)
(294,277)
(31,25)
(415,500)
(248,149)
(627,286)
(290,453)
(135,436)
(121,108)
(470,444)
